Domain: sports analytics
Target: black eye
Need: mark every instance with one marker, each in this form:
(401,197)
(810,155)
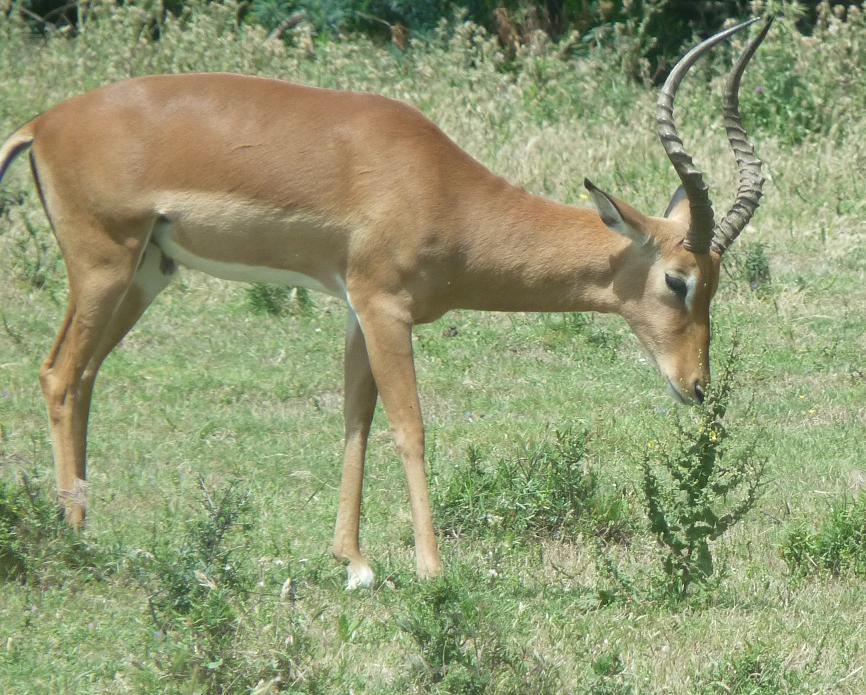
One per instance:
(676,284)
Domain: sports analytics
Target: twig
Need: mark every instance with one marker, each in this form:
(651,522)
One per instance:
(289,22)
(12,334)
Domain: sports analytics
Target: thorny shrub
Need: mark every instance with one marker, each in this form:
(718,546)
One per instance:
(694,491)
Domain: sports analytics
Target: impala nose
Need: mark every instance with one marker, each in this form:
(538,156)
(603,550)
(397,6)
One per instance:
(699,392)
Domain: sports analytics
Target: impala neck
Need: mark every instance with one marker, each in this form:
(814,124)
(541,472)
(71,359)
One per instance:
(532,254)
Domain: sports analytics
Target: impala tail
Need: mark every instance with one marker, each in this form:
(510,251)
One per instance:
(19,141)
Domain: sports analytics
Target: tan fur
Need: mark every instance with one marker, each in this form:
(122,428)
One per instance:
(360,193)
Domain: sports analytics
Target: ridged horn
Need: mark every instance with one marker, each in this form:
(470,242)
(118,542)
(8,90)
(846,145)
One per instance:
(750,182)
(700,233)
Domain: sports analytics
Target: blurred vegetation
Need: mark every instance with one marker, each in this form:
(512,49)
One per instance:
(660,27)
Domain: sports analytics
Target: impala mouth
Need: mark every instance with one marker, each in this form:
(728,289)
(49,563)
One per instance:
(678,396)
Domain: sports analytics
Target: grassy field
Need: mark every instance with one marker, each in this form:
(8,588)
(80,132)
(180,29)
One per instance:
(216,431)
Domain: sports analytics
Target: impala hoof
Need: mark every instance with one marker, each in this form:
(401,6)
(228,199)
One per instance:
(360,577)
(74,503)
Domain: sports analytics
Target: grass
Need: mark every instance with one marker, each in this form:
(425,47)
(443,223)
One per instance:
(207,389)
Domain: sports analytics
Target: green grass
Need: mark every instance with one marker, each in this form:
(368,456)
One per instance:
(207,389)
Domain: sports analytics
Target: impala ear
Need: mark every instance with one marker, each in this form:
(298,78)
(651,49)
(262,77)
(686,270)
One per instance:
(678,209)
(618,216)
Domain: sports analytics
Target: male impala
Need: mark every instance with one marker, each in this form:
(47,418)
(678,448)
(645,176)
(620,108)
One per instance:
(364,198)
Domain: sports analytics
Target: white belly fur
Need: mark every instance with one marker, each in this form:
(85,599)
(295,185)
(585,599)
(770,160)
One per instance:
(163,238)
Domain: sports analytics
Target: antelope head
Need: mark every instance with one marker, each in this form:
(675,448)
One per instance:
(671,274)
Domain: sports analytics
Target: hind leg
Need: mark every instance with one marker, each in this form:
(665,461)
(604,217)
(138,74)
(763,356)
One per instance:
(106,299)
(360,404)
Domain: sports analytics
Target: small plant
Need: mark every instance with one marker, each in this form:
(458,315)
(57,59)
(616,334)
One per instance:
(193,589)
(278,300)
(696,492)
(36,544)
(756,267)
(837,547)
(750,265)
(547,490)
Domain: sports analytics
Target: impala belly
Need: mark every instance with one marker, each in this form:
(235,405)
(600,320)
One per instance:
(239,240)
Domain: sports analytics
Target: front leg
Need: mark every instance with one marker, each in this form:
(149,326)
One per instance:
(387,329)
(359,406)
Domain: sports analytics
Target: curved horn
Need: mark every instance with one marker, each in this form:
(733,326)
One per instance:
(750,180)
(701,227)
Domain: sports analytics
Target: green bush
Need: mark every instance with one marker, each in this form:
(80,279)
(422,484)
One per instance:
(546,490)
(837,546)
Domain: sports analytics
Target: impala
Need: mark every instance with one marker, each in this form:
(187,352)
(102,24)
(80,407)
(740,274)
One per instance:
(364,198)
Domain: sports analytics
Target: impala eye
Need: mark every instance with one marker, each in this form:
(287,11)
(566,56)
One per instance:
(677,285)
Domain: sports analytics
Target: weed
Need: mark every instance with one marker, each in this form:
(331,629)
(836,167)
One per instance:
(35,256)
(837,546)
(461,651)
(754,671)
(443,620)
(193,590)
(546,490)
(750,264)
(694,494)
(198,591)
(757,267)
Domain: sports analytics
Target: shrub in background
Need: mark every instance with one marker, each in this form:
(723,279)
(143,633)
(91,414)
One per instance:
(837,546)
(278,300)
(200,589)
(648,35)
(788,91)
